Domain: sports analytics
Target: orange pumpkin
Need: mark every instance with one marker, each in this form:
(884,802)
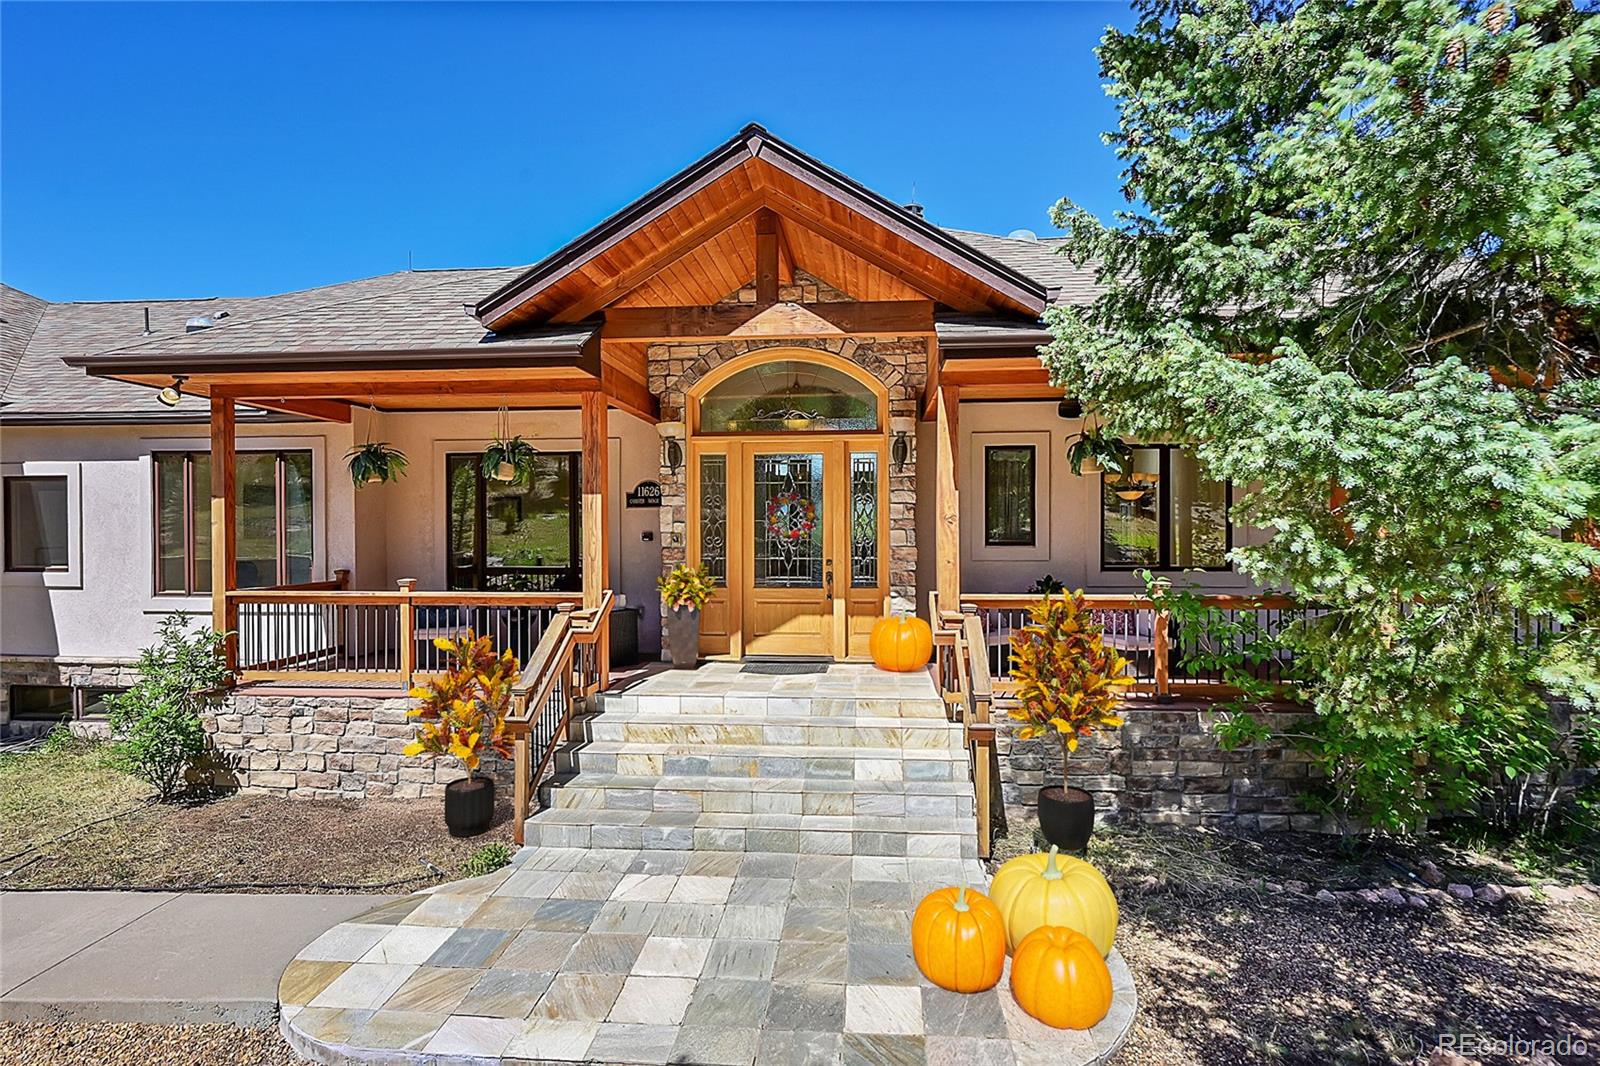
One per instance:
(958,940)
(901,643)
(1058,977)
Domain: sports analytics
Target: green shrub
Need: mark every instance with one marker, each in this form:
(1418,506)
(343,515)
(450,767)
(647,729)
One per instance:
(156,725)
(486,860)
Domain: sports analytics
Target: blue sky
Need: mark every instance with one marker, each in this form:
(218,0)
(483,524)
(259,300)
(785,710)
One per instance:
(151,151)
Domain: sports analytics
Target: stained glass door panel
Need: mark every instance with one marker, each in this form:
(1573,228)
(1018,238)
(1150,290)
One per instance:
(789,521)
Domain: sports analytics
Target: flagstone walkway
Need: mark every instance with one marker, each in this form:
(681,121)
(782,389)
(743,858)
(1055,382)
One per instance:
(667,937)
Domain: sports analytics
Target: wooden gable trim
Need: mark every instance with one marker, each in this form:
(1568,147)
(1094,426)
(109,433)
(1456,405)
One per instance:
(754,144)
(898,318)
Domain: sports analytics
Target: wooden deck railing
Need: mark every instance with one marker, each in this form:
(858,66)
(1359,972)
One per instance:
(961,669)
(569,665)
(324,632)
(1157,660)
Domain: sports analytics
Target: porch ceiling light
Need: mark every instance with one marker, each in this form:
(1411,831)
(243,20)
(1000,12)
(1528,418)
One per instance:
(172,394)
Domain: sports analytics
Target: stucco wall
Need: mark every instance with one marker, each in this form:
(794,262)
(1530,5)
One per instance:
(1068,508)
(105,606)
(413,515)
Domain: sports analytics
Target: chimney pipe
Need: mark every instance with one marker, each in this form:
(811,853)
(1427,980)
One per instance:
(915,208)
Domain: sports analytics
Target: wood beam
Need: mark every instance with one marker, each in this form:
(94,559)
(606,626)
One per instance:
(766,257)
(332,386)
(629,394)
(801,215)
(596,517)
(686,242)
(786,261)
(323,410)
(947,498)
(889,318)
(1005,370)
(224,526)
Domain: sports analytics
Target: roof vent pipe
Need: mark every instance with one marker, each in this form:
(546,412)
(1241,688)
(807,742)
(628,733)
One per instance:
(147,321)
(915,208)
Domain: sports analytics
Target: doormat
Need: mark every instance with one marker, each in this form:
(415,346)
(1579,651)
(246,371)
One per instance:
(784,668)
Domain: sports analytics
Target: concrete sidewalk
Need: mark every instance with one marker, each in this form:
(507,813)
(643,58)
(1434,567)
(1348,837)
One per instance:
(156,957)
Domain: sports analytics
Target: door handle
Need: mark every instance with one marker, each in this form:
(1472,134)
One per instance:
(828,574)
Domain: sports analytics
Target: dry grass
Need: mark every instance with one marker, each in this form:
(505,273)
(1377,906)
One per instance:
(107,1044)
(51,800)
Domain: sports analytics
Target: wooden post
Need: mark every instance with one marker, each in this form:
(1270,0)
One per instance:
(408,631)
(224,527)
(596,523)
(520,751)
(341,577)
(1158,638)
(766,257)
(947,500)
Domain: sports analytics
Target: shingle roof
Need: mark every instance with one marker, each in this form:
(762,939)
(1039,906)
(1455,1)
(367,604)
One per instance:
(411,311)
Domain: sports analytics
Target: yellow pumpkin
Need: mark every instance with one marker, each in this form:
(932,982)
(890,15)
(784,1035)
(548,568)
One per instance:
(901,643)
(1036,890)
(958,940)
(1058,977)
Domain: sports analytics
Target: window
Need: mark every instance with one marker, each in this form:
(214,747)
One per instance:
(36,523)
(40,702)
(1008,500)
(274,546)
(92,701)
(714,517)
(1166,514)
(515,538)
(788,395)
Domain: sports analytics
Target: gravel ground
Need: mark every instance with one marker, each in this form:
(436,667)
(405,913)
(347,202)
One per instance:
(142,1045)
(1230,973)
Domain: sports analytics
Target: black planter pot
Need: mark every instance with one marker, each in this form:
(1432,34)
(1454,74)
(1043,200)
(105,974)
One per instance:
(469,805)
(683,637)
(1066,817)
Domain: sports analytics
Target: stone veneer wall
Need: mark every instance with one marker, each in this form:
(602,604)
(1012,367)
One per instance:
(900,363)
(1164,766)
(43,670)
(326,746)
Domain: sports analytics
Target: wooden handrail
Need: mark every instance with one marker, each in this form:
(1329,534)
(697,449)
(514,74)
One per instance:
(962,674)
(552,676)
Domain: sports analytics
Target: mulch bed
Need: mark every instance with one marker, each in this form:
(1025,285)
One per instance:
(267,843)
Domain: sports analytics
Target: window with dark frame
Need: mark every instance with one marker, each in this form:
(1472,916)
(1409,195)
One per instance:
(515,538)
(274,520)
(1008,496)
(1165,514)
(58,702)
(36,523)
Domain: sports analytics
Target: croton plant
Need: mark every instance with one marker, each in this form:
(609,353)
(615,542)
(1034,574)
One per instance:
(463,709)
(1069,680)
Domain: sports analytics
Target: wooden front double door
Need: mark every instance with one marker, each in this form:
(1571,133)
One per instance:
(795,531)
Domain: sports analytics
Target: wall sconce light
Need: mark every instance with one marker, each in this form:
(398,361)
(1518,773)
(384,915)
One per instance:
(671,455)
(900,451)
(172,394)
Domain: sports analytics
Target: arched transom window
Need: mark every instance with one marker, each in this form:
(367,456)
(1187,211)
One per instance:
(788,395)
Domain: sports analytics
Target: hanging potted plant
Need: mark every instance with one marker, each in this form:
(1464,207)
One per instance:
(684,592)
(1094,451)
(463,714)
(1068,682)
(508,458)
(375,462)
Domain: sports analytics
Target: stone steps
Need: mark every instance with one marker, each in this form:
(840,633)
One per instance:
(787,730)
(860,835)
(771,761)
(734,705)
(761,795)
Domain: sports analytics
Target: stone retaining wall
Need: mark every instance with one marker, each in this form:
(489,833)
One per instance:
(341,747)
(1164,766)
